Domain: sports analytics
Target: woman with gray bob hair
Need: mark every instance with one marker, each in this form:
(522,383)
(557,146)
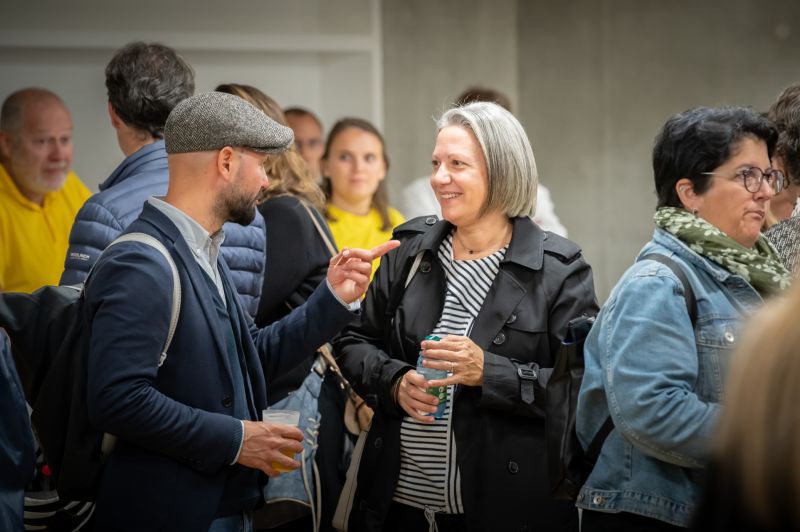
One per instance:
(511,167)
(454,329)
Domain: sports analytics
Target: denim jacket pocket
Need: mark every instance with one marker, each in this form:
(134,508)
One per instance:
(716,339)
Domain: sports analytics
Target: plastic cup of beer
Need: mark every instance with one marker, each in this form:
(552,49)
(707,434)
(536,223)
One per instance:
(282,417)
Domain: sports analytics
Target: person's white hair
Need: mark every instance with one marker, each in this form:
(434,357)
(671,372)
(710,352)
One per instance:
(511,167)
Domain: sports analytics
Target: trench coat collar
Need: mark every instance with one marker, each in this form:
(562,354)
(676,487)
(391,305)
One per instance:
(526,247)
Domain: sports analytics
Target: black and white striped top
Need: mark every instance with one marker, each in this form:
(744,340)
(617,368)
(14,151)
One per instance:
(429,475)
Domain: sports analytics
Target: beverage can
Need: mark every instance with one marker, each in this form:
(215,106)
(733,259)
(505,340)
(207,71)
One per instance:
(430,374)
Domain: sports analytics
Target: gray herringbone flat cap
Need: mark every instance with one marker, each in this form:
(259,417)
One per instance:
(213,120)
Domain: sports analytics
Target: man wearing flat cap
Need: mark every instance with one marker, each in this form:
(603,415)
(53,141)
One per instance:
(144,82)
(191,449)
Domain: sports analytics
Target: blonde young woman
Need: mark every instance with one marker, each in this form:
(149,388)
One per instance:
(354,168)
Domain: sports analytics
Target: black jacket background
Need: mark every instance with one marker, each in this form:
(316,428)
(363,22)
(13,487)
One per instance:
(542,284)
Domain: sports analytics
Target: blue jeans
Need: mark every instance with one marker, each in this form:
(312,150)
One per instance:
(242,522)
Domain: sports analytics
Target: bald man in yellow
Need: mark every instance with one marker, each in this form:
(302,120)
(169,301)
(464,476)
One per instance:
(39,194)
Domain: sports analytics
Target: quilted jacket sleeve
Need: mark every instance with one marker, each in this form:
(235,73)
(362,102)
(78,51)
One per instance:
(244,251)
(95,228)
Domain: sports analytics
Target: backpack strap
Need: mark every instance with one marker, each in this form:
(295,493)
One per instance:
(593,451)
(688,293)
(176,282)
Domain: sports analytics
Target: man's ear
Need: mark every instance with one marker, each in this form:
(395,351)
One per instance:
(686,194)
(116,121)
(227,162)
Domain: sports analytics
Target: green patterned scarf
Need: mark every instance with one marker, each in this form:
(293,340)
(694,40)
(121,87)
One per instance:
(759,266)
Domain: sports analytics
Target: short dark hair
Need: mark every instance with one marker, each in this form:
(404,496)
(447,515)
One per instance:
(300,112)
(700,140)
(144,82)
(785,113)
(483,94)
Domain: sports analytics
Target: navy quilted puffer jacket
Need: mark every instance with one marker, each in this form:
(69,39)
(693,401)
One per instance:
(106,214)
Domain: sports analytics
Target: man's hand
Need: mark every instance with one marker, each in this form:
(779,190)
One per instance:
(349,271)
(262,445)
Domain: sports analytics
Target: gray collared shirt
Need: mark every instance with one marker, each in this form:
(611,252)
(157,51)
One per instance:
(205,247)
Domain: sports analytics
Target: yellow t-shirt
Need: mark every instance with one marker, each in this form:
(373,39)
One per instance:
(361,231)
(34,239)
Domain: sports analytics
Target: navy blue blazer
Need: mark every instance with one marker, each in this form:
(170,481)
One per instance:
(177,435)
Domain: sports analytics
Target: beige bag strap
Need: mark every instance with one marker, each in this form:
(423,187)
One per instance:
(330,245)
(345,503)
(327,355)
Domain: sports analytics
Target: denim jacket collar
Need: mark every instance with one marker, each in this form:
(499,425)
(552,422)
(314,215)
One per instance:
(673,243)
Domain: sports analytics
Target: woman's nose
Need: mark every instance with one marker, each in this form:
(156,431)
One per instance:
(440,175)
(765,191)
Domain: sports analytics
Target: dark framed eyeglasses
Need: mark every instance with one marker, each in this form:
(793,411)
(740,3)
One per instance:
(753,176)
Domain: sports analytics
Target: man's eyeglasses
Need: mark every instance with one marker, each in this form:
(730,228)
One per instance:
(753,176)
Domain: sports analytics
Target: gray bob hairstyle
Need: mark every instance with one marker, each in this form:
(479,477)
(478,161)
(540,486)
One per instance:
(511,168)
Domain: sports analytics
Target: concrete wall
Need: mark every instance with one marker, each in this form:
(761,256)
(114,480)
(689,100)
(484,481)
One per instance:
(319,54)
(432,51)
(599,78)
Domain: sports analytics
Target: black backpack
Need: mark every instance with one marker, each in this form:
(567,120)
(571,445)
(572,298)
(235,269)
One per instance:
(568,465)
(50,335)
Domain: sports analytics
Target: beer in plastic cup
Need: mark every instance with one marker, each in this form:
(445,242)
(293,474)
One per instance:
(282,417)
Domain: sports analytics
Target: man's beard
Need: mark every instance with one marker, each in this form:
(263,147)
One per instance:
(243,214)
(237,207)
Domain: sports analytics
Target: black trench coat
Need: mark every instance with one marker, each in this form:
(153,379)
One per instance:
(542,284)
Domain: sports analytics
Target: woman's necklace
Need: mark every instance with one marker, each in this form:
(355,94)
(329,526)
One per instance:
(492,245)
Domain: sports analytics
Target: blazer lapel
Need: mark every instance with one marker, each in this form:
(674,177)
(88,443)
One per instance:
(257,382)
(198,284)
(205,298)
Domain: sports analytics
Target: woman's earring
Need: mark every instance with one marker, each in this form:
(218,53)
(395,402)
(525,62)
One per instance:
(694,211)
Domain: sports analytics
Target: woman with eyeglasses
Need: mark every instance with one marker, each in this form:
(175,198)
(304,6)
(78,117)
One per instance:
(785,114)
(655,360)
(783,229)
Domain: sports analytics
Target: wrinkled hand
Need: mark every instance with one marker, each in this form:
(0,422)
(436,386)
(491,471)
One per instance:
(349,271)
(413,397)
(263,443)
(457,354)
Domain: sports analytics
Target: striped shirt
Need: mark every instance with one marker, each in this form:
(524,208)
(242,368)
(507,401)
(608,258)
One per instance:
(429,475)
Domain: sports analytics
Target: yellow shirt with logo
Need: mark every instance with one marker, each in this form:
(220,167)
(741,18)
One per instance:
(34,238)
(361,231)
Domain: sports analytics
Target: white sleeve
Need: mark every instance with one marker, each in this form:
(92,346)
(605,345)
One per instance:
(418,199)
(545,216)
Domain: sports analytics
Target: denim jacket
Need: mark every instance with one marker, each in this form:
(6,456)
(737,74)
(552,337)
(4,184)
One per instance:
(660,381)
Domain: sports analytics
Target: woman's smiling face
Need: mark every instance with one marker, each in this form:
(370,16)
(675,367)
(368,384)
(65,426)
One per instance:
(459,178)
